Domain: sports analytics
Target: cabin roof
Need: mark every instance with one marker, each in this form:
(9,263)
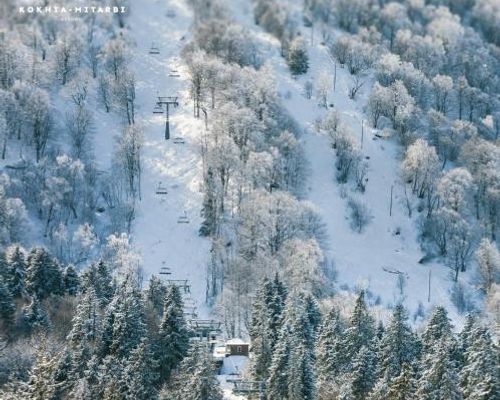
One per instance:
(236,341)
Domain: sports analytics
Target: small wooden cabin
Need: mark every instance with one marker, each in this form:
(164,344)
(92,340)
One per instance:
(237,347)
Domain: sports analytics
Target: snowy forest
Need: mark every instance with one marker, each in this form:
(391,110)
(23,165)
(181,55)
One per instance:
(249,199)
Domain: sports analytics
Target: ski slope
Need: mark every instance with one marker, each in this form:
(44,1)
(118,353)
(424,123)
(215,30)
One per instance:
(157,235)
(361,259)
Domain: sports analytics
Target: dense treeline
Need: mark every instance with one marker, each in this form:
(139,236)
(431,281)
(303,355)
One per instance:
(254,171)
(67,335)
(435,66)
(302,353)
(51,184)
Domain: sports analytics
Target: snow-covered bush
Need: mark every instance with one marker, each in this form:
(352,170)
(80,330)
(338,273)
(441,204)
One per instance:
(359,214)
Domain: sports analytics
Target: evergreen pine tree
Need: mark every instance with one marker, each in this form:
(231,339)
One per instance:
(330,351)
(209,210)
(110,379)
(196,379)
(155,294)
(380,330)
(71,281)
(480,376)
(465,338)
(7,307)
(86,330)
(267,314)
(397,346)
(291,373)
(259,331)
(439,380)
(313,312)
(43,274)
(438,327)
(173,336)
(34,316)
(128,324)
(16,268)
(62,376)
(41,385)
(99,278)
(361,329)
(361,378)
(301,379)
(4,267)
(404,386)
(140,374)
(298,60)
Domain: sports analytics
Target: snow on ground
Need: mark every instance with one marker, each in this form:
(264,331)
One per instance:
(232,368)
(162,241)
(360,259)
(227,388)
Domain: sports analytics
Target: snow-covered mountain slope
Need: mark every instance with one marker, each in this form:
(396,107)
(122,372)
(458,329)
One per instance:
(389,243)
(161,240)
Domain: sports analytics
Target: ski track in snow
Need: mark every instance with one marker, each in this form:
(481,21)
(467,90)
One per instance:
(359,258)
(161,240)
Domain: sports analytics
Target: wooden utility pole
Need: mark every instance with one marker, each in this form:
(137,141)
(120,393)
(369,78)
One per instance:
(429,290)
(166,101)
(390,207)
(362,131)
(334,75)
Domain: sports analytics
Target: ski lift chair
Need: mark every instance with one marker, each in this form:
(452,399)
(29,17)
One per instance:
(161,189)
(158,109)
(183,219)
(154,49)
(179,140)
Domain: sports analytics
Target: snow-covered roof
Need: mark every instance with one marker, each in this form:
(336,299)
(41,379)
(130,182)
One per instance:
(236,341)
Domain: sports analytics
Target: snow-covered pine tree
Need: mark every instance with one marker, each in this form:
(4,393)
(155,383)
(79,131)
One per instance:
(330,352)
(16,268)
(110,379)
(480,376)
(34,316)
(41,385)
(99,278)
(7,307)
(196,378)
(404,386)
(62,376)
(398,346)
(173,336)
(439,378)
(291,374)
(301,379)
(298,60)
(438,327)
(313,312)
(359,381)
(43,274)
(360,330)
(128,324)
(465,338)
(155,295)
(259,331)
(265,325)
(71,281)
(140,373)
(210,210)
(86,330)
